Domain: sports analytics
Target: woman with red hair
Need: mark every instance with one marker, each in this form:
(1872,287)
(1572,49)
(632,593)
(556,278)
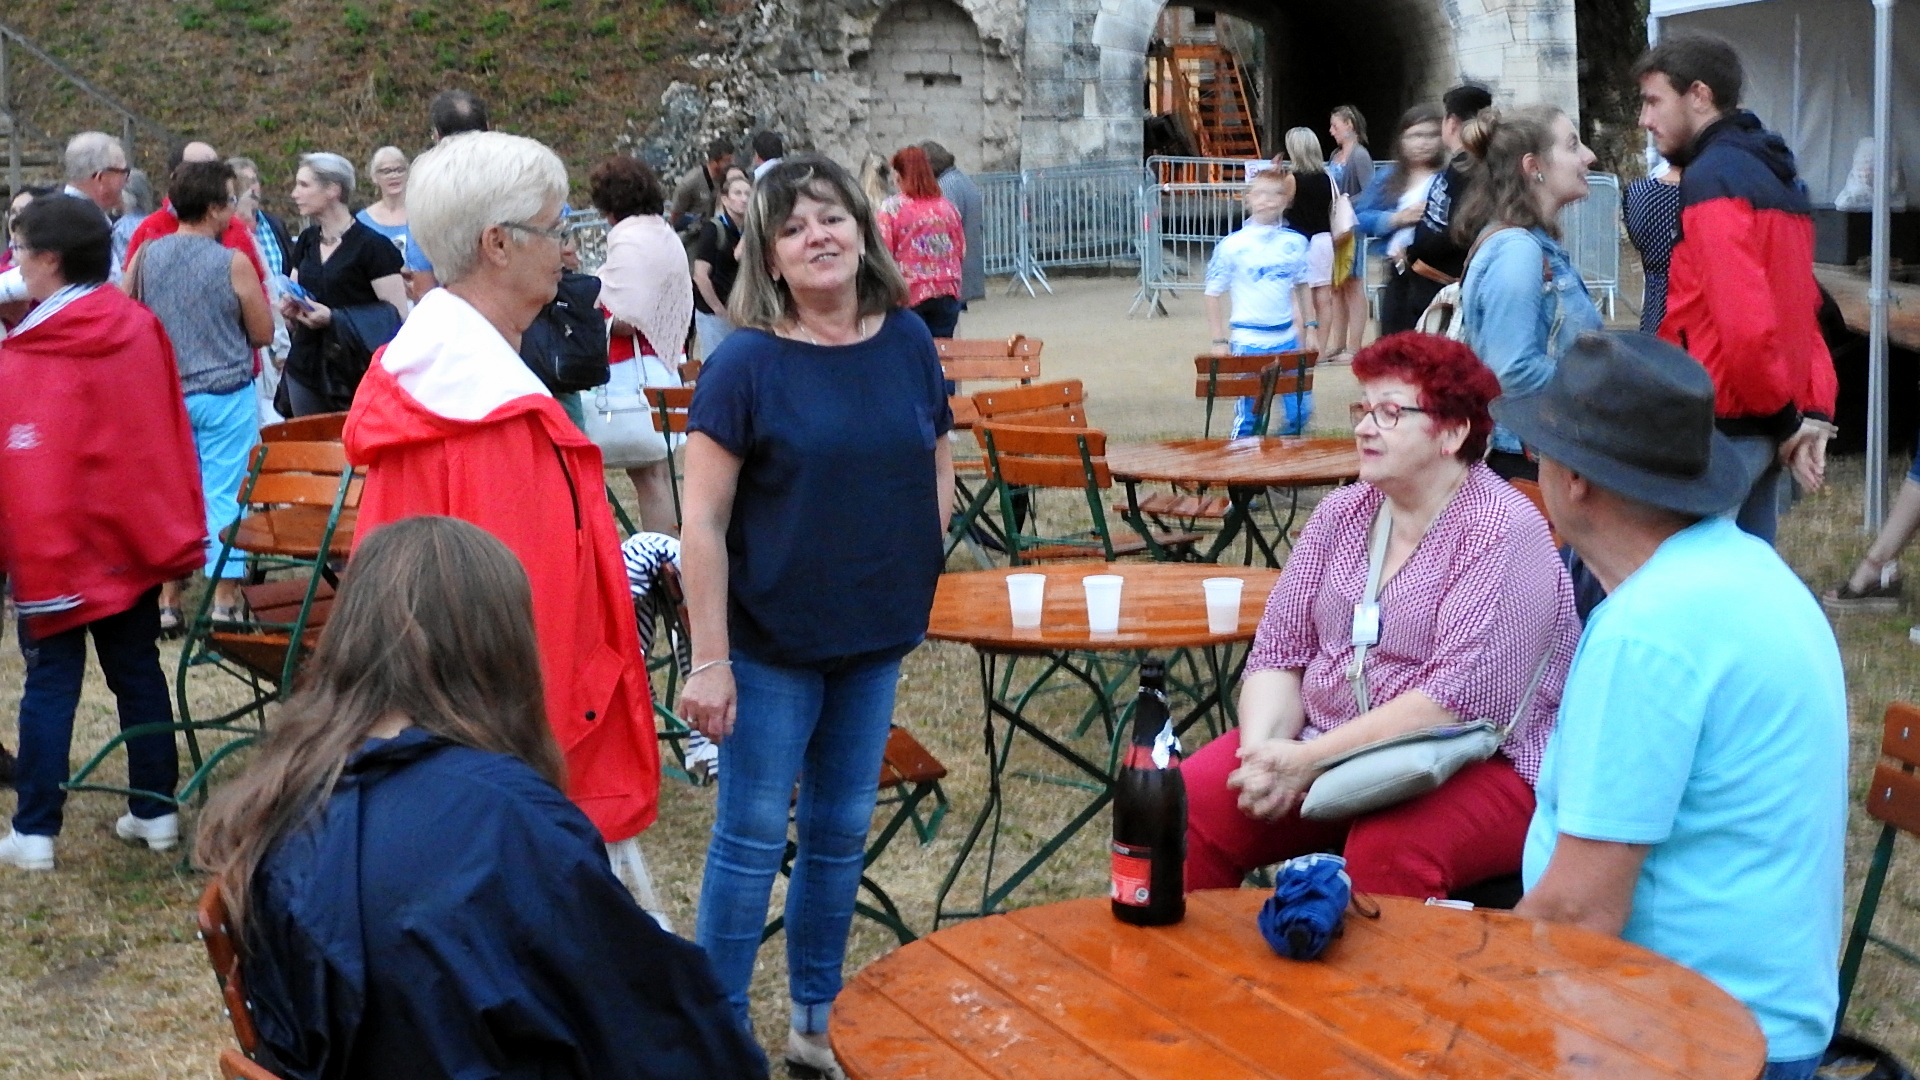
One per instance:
(1470,597)
(922,231)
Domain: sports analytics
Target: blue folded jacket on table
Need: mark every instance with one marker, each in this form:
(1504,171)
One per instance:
(1308,907)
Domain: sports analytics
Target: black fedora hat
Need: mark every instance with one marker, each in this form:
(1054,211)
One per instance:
(1634,415)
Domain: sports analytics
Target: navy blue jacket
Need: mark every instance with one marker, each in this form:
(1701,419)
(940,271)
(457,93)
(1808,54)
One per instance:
(450,914)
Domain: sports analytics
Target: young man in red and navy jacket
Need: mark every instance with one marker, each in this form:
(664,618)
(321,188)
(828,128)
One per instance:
(1741,299)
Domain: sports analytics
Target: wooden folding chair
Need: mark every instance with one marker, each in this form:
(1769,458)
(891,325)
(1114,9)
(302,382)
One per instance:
(669,405)
(300,500)
(909,775)
(969,360)
(1235,377)
(1894,800)
(1066,458)
(211,918)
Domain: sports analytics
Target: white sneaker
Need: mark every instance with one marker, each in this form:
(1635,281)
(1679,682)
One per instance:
(161,833)
(809,1060)
(27,852)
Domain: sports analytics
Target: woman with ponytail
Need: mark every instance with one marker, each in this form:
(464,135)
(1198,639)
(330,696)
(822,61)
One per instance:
(1522,300)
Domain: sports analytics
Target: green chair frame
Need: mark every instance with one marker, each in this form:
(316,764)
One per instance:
(670,404)
(1894,800)
(285,478)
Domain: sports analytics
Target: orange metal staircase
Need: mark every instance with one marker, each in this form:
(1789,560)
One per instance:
(1210,101)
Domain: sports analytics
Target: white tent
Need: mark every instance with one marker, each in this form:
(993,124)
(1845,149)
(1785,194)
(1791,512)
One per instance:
(1823,74)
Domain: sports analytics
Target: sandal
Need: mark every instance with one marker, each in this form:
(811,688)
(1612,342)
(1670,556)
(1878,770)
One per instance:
(171,625)
(1882,595)
(228,614)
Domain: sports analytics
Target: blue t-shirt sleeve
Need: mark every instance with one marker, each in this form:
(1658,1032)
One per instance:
(927,355)
(722,408)
(417,259)
(1629,728)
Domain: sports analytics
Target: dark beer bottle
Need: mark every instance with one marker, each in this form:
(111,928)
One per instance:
(1150,813)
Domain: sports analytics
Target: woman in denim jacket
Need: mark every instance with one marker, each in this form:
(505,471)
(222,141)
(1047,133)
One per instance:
(1522,300)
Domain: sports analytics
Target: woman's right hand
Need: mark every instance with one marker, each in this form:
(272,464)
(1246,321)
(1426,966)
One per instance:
(707,702)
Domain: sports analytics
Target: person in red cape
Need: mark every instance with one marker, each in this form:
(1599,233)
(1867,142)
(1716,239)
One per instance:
(448,420)
(99,503)
(164,222)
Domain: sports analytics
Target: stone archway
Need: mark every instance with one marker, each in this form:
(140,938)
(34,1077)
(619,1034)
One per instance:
(925,74)
(1086,62)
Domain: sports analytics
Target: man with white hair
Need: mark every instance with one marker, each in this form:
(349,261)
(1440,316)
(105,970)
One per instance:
(96,168)
(449,420)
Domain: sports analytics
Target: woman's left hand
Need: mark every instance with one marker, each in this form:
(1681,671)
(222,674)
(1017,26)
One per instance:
(1273,778)
(313,318)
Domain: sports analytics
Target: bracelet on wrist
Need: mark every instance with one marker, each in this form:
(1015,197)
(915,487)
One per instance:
(1219,341)
(698,668)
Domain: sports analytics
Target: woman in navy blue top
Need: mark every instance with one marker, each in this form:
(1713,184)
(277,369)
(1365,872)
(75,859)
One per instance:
(818,481)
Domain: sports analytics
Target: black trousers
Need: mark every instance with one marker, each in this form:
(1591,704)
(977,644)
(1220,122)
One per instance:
(1404,298)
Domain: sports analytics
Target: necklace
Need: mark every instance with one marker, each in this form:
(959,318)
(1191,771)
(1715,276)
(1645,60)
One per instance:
(860,330)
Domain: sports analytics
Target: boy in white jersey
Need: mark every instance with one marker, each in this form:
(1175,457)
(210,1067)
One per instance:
(1259,266)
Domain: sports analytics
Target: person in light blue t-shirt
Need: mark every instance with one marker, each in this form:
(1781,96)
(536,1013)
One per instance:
(1694,794)
(1259,267)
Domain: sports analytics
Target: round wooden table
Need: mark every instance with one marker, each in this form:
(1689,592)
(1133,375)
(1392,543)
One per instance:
(1067,992)
(1163,609)
(1245,467)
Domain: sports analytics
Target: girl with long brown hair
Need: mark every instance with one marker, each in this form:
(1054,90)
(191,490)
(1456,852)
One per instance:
(412,893)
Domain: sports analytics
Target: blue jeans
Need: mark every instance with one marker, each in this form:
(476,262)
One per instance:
(828,730)
(1802,1069)
(1759,515)
(225,429)
(127,645)
(1295,409)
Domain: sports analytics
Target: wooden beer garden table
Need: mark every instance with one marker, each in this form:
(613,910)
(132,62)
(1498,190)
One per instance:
(1067,992)
(1245,467)
(1163,610)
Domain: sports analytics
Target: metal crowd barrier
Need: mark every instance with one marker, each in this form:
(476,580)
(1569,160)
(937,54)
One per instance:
(1591,228)
(1069,215)
(587,230)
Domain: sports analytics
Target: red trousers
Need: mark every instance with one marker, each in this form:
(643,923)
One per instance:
(1469,830)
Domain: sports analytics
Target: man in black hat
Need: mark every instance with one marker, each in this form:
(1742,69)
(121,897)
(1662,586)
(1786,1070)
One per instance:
(1693,798)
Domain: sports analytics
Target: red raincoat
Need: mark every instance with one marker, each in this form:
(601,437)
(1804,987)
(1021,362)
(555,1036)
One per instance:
(99,484)
(449,421)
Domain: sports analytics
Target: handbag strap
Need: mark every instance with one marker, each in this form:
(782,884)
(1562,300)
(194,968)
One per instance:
(1376,561)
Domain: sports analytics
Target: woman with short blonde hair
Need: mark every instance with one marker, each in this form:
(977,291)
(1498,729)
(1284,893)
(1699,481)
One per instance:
(388,214)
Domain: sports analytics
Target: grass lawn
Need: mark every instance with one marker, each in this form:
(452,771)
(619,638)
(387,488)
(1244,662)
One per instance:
(100,974)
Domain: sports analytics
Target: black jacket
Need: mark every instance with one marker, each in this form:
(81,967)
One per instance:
(449,913)
(1433,241)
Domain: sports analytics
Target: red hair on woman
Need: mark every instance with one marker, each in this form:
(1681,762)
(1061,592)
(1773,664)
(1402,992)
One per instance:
(914,175)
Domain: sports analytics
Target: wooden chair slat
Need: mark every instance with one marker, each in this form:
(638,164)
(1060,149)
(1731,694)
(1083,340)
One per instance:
(1895,798)
(211,915)
(964,414)
(237,1066)
(908,762)
(964,369)
(998,404)
(1901,740)
(1048,472)
(321,427)
(1028,439)
(675,397)
(296,489)
(300,456)
(1019,345)
(690,371)
(1229,386)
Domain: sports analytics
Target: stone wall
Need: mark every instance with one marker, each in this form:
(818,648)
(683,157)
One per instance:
(1030,83)
(808,69)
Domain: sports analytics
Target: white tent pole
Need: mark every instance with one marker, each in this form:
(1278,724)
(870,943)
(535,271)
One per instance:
(1877,291)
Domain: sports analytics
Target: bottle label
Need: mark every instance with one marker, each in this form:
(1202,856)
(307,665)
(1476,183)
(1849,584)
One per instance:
(1132,874)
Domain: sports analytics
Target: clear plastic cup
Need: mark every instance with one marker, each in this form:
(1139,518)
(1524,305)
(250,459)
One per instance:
(1223,604)
(1103,602)
(1026,593)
